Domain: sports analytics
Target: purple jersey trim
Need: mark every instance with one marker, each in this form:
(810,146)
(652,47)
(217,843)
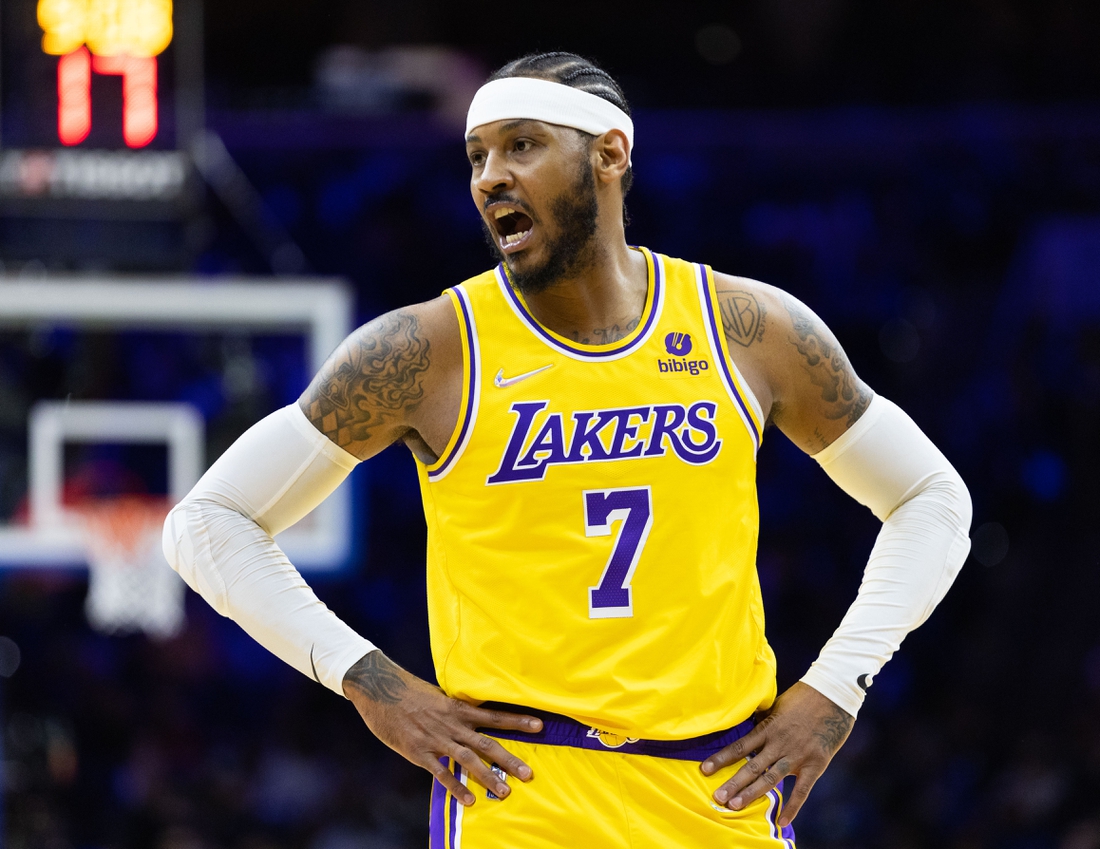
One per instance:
(708,305)
(471,390)
(780,796)
(560,730)
(454,810)
(654,304)
(437,820)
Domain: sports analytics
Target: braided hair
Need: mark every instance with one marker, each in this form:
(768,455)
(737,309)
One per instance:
(576,72)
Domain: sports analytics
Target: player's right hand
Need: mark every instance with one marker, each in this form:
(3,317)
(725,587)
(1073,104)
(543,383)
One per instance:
(422,724)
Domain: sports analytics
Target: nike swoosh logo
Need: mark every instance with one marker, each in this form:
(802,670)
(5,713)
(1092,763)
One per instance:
(500,381)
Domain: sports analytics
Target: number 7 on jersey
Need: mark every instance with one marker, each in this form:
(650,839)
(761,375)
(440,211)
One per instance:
(632,507)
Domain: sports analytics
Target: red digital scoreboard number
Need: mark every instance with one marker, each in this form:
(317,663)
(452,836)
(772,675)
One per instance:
(109,37)
(74,95)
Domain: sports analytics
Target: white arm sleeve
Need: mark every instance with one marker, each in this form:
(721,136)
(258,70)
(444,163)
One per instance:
(219,538)
(886,463)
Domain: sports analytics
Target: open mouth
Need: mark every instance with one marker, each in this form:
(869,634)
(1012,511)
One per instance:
(512,226)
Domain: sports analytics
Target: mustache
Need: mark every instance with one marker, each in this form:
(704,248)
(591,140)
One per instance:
(505,197)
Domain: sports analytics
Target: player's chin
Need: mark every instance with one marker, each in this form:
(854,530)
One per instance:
(529,272)
(522,261)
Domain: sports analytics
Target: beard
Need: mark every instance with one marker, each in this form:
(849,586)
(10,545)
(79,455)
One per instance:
(575,213)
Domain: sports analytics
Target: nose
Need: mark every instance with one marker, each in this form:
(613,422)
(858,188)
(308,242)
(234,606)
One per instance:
(495,175)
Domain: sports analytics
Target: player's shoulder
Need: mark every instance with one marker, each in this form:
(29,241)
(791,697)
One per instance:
(815,392)
(727,284)
(425,317)
(425,333)
(753,312)
(436,314)
(744,298)
(434,322)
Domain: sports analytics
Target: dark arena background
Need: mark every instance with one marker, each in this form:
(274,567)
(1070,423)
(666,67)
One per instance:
(926,176)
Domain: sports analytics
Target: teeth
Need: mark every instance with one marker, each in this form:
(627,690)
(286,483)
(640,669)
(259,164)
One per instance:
(500,213)
(515,237)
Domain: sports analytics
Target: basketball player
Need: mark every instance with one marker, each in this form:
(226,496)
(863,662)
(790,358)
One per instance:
(585,420)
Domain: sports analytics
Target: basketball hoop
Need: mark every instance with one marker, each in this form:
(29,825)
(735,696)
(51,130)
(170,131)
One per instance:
(130,587)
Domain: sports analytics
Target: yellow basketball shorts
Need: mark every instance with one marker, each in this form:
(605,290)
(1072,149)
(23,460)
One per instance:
(594,789)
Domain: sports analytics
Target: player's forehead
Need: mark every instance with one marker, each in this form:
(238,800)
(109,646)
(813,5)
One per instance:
(504,128)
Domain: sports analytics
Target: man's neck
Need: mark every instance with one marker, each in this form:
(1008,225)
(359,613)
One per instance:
(602,302)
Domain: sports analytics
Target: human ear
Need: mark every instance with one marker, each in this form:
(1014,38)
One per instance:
(612,155)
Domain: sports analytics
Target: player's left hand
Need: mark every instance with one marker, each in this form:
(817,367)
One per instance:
(799,736)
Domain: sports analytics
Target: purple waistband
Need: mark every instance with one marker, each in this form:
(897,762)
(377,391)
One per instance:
(560,730)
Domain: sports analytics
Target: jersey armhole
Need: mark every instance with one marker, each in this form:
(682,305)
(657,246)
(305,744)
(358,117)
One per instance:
(735,383)
(471,385)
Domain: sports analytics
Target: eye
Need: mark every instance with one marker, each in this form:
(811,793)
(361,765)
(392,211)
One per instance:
(522,145)
(476,157)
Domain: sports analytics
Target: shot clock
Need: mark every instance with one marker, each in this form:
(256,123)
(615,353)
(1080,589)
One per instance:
(110,37)
(100,100)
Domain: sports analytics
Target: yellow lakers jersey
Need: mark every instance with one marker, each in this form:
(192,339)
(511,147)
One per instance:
(592,524)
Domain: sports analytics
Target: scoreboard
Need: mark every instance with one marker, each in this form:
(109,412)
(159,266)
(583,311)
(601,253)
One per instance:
(113,38)
(99,101)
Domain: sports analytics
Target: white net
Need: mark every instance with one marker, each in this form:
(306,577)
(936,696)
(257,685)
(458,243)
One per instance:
(130,588)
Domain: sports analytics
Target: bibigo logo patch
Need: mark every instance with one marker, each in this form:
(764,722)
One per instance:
(679,346)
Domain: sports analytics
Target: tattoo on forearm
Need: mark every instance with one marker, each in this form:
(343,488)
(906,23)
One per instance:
(827,367)
(373,377)
(605,335)
(377,677)
(836,728)
(743,317)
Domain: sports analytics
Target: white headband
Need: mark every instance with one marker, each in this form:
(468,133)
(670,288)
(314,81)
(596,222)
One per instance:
(554,103)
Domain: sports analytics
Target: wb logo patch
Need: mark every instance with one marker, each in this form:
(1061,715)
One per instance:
(678,344)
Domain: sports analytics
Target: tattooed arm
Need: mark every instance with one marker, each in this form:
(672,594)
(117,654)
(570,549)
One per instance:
(398,377)
(820,395)
(792,361)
